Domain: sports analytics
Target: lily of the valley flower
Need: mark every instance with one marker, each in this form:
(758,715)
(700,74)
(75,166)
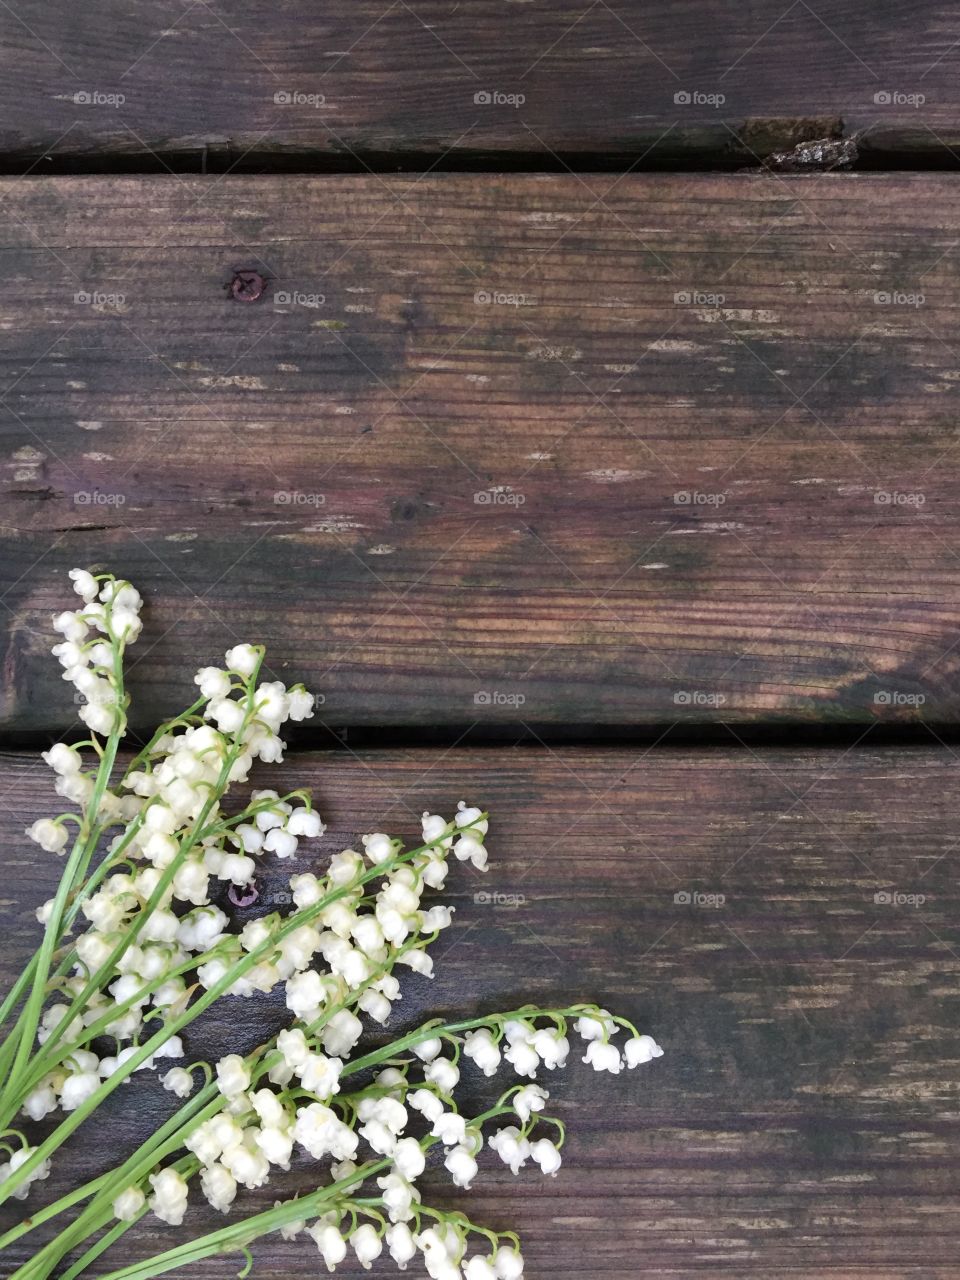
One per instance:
(138,943)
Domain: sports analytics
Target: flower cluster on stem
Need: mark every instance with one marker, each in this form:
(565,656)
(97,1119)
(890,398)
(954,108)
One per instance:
(135,948)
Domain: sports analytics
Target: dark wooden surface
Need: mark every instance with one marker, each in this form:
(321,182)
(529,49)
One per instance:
(804,1119)
(400,78)
(306,475)
(715,419)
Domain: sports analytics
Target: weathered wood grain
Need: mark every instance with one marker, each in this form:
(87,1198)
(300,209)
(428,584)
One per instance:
(375,78)
(804,1119)
(432,503)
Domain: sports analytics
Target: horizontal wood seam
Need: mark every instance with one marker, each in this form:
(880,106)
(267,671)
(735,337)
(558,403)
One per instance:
(208,160)
(679,738)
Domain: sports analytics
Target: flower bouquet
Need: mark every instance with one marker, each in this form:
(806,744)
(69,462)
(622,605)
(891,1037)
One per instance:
(135,949)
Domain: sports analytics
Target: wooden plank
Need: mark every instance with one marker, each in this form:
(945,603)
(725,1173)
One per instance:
(430,503)
(373,78)
(802,1121)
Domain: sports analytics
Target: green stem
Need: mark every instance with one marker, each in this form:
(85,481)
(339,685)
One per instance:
(238,1235)
(208,1102)
(43,1063)
(161,1144)
(52,1210)
(101,1246)
(84,891)
(51,936)
(17,990)
(184,1121)
(241,1234)
(94,1219)
(7,1052)
(185,717)
(106,970)
(77,863)
(436,1027)
(293,922)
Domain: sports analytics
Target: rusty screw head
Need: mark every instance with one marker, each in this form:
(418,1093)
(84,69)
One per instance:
(244,895)
(247,286)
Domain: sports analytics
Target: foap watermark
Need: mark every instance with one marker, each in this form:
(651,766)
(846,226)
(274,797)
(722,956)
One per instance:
(294,298)
(896,298)
(95,98)
(498,497)
(502,298)
(493,898)
(94,498)
(294,498)
(245,895)
(698,298)
(694,498)
(694,898)
(697,98)
(895,498)
(895,98)
(498,698)
(496,98)
(95,298)
(895,898)
(895,698)
(295,98)
(699,698)
(105,698)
